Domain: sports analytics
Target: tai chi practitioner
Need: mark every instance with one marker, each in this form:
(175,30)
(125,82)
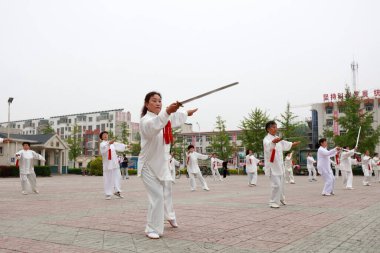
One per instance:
(274,163)
(324,166)
(193,168)
(376,167)
(251,167)
(25,161)
(4,140)
(153,163)
(346,167)
(111,165)
(214,166)
(310,167)
(288,163)
(367,168)
(337,164)
(173,163)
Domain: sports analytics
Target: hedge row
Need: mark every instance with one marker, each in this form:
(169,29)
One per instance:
(13,171)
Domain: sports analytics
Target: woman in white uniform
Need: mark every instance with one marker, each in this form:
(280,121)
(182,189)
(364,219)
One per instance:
(25,159)
(251,167)
(153,163)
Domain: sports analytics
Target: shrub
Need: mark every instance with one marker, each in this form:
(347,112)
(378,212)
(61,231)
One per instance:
(74,171)
(9,171)
(132,172)
(96,167)
(43,171)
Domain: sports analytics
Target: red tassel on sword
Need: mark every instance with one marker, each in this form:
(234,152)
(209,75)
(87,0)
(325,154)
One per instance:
(109,154)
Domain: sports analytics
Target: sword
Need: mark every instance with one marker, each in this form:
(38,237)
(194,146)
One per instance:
(357,139)
(207,93)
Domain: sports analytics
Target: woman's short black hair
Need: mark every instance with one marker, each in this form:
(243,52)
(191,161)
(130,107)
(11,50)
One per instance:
(269,124)
(190,146)
(321,141)
(26,142)
(101,134)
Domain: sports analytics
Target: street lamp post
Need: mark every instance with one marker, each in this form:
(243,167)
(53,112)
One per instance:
(199,138)
(9,126)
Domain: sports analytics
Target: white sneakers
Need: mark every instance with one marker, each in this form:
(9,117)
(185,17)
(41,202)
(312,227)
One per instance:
(108,197)
(283,202)
(24,192)
(274,205)
(173,223)
(118,194)
(206,188)
(36,191)
(153,235)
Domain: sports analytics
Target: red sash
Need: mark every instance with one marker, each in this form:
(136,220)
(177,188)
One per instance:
(109,154)
(168,135)
(272,155)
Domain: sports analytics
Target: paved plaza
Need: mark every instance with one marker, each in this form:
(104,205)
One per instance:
(71,215)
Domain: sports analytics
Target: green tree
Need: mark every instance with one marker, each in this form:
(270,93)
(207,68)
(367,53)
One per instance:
(75,143)
(354,118)
(253,130)
(178,145)
(135,148)
(47,129)
(220,140)
(124,133)
(292,130)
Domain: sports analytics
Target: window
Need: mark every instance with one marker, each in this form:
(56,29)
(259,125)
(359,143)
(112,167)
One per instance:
(208,150)
(69,129)
(90,119)
(329,110)
(342,109)
(103,127)
(189,139)
(84,128)
(329,122)
(69,121)
(98,127)
(90,128)
(208,138)
(57,144)
(369,107)
(111,125)
(199,138)
(342,132)
(1,150)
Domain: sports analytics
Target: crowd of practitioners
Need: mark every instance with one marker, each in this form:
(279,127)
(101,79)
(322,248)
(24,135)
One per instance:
(157,164)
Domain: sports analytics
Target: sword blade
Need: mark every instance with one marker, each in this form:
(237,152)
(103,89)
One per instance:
(208,93)
(357,139)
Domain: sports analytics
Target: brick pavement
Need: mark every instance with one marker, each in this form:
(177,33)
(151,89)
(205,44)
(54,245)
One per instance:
(71,215)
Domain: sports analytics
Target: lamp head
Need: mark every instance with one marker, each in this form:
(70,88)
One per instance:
(10,100)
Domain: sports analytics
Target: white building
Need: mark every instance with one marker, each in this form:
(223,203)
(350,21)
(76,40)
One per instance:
(324,114)
(90,125)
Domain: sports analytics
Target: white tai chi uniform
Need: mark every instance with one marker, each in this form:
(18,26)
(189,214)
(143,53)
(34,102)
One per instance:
(346,167)
(194,170)
(251,169)
(324,168)
(367,169)
(311,169)
(26,165)
(289,169)
(111,166)
(1,140)
(214,168)
(153,167)
(172,164)
(275,169)
(337,166)
(376,168)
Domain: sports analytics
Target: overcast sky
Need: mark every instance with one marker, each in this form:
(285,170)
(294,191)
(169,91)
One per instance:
(65,57)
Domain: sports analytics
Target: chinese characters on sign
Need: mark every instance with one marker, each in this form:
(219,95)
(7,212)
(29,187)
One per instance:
(340,96)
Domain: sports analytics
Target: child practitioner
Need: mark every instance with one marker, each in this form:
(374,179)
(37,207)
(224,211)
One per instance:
(153,163)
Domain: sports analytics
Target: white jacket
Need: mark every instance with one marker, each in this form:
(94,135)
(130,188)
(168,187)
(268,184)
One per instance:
(26,160)
(323,159)
(251,164)
(192,162)
(114,162)
(277,167)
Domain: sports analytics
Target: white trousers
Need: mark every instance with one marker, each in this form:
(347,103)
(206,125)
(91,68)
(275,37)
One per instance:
(337,172)
(28,179)
(277,184)
(160,201)
(312,173)
(252,178)
(111,179)
(347,178)
(329,179)
(377,175)
(173,174)
(193,184)
(216,171)
(289,175)
(367,176)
